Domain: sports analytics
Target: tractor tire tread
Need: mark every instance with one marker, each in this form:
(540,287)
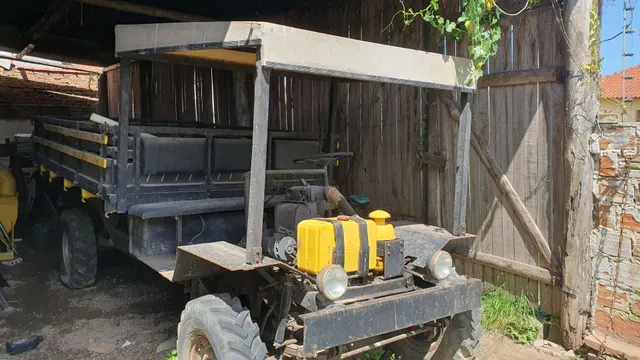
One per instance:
(234,333)
(83,249)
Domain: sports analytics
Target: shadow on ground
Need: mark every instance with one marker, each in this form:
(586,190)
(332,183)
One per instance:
(129,303)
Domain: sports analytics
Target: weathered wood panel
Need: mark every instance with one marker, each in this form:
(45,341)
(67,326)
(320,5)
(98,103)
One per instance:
(522,126)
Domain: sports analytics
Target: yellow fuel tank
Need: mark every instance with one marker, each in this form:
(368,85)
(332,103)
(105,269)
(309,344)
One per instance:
(8,200)
(317,240)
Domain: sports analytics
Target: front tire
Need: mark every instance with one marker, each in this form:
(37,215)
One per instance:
(218,328)
(79,250)
(460,341)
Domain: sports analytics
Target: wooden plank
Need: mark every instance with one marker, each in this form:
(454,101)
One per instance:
(222,88)
(498,114)
(377,129)
(552,96)
(207,112)
(274,105)
(462,166)
(436,115)
(78,154)
(185,95)
(355,107)
(103,96)
(146,10)
(289,102)
(482,192)
(136,91)
(390,117)
(418,127)
(164,97)
(524,270)
(113,86)
(78,134)
(522,77)
(523,105)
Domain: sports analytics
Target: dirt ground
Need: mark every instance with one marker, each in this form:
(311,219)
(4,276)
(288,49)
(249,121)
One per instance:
(129,304)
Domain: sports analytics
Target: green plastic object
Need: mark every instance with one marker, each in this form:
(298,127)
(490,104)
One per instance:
(363,200)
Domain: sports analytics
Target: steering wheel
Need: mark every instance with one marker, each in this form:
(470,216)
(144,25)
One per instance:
(323,158)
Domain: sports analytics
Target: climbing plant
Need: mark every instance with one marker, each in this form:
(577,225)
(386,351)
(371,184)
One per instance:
(478,23)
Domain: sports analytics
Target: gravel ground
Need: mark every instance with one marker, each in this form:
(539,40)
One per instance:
(130,304)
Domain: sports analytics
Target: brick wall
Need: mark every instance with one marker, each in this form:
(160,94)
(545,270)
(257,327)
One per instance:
(26,92)
(615,241)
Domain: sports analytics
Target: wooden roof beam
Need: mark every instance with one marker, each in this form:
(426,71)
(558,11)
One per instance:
(52,16)
(146,10)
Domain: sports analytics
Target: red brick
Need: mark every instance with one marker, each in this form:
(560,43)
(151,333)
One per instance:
(604,216)
(614,191)
(629,222)
(624,328)
(607,167)
(605,297)
(26,92)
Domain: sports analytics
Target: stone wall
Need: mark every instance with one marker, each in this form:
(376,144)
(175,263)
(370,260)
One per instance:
(615,241)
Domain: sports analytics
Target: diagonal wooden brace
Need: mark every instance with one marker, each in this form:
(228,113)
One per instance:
(507,189)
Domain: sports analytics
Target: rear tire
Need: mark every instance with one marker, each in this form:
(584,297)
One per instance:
(460,341)
(79,249)
(218,328)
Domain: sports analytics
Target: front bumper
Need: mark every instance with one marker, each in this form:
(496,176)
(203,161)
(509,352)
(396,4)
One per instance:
(343,324)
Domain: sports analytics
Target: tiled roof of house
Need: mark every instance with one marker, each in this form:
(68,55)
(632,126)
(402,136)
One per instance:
(611,85)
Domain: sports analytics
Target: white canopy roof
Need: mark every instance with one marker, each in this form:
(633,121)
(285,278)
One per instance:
(296,50)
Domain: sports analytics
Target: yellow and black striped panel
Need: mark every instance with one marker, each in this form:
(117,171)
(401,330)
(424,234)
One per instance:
(78,154)
(78,134)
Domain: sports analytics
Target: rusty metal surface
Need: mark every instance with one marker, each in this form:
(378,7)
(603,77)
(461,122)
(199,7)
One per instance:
(420,241)
(340,325)
(225,255)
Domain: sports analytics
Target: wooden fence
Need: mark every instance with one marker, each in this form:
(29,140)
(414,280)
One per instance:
(394,130)
(522,125)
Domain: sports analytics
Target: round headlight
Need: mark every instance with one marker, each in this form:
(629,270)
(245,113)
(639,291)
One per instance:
(440,265)
(332,281)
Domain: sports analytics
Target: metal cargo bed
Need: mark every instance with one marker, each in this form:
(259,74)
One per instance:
(202,166)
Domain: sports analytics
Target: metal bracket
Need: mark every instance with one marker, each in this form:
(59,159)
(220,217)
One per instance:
(569,291)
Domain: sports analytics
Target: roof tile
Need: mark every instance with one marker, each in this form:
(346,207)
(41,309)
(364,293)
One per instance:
(611,85)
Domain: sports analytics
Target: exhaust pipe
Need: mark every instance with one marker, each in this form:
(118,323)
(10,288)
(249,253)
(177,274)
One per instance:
(335,197)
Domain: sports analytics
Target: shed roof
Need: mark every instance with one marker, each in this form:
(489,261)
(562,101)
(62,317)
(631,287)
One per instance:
(296,50)
(611,85)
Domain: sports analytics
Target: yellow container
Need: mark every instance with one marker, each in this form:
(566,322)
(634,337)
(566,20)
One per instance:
(317,239)
(8,200)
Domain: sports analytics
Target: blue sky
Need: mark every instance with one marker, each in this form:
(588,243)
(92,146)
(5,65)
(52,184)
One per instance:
(611,51)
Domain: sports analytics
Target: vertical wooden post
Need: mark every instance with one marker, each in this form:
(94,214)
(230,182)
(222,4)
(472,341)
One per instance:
(462,167)
(582,94)
(255,204)
(123,132)
(329,144)
(241,107)
(103,96)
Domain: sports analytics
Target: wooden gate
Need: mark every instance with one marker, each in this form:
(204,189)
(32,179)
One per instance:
(519,120)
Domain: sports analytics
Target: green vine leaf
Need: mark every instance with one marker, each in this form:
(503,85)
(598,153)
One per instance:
(478,23)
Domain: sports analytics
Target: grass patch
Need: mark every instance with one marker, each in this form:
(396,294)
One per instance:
(374,354)
(513,316)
